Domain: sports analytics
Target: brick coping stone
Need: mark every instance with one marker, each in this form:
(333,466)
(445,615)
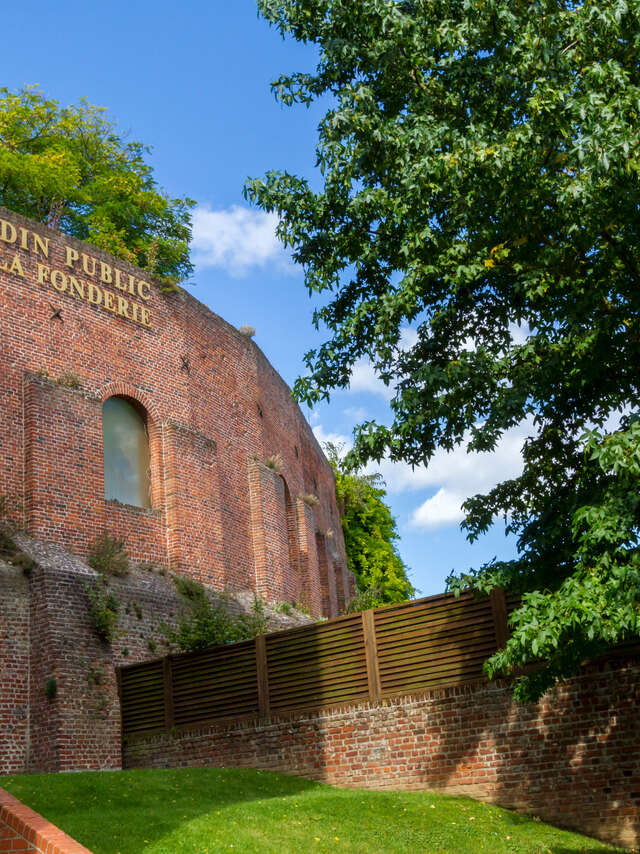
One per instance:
(42,836)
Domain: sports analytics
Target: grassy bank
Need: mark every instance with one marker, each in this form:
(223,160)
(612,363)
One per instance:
(211,810)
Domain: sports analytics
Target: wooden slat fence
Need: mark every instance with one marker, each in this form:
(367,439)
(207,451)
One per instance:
(390,651)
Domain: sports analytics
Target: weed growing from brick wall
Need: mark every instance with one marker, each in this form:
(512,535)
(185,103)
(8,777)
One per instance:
(108,556)
(204,624)
(103,609)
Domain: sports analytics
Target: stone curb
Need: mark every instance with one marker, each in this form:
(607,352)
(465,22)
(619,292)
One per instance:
(44,837)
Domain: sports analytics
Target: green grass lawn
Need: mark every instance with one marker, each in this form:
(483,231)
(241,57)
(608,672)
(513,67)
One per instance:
(207,810)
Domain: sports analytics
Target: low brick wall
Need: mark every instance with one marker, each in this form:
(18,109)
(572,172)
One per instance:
(573,759)
(23,830)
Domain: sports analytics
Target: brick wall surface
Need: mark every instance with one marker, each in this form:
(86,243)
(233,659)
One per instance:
(573,758)
(213,403)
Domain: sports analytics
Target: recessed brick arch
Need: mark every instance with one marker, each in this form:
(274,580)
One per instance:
(154,430)
(121,389)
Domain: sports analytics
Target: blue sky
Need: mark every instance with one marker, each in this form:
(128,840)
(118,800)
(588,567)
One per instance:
(193,82)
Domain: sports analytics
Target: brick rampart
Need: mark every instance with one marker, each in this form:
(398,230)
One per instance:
(14,669)
(46,633)
(25,831)
(215,408)
(573,758)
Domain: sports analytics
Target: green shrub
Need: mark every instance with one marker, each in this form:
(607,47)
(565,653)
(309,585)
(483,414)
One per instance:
(309,499)
(371,597)
(9,549)
(24,561)
(108,556)
(7,546)
(103,610)
(283,608)
(206,624)
(96,675)
(189,588)
(255,623)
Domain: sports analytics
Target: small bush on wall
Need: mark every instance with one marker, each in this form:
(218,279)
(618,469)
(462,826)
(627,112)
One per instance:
(206,624)
(108,556)
(103,610)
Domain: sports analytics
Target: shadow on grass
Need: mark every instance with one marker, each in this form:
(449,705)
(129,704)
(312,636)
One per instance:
(115,812)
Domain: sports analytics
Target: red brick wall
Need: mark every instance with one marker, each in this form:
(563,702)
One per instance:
(572,758)
(214,405)
(14,669)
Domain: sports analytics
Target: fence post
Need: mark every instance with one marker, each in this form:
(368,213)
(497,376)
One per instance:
(371,653)
(499,610)
(262,676)
(168,692)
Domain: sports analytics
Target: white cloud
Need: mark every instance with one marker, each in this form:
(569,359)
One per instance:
(457,475)
(443,508)
(408,338)
(458,470)
(237,239)
(357,413)
(451,476)
(335,438)
(365,379)
(519,334)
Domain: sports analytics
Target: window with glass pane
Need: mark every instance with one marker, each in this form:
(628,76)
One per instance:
(126,453)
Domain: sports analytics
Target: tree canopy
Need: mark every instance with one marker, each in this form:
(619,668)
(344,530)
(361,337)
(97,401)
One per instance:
(479,182)
(69,168)
(370,535)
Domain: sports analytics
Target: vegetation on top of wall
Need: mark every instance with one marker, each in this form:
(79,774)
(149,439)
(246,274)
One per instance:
(10,551)
(370,534)
(205,624)
(108,556)
(274,462)
(69,168)
(69,380)
(309,499)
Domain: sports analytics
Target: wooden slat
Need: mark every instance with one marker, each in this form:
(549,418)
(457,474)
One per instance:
(441,640)
(426,639)
(499,609)
(168,693)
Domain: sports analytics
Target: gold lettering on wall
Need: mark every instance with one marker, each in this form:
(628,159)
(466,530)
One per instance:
(75,281)
(15,267)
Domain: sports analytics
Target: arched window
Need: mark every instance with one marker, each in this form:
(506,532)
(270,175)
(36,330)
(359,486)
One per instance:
(126,452)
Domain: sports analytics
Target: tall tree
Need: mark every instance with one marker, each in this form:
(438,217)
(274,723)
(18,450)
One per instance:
(370,534)
(480,166)
(69,168)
